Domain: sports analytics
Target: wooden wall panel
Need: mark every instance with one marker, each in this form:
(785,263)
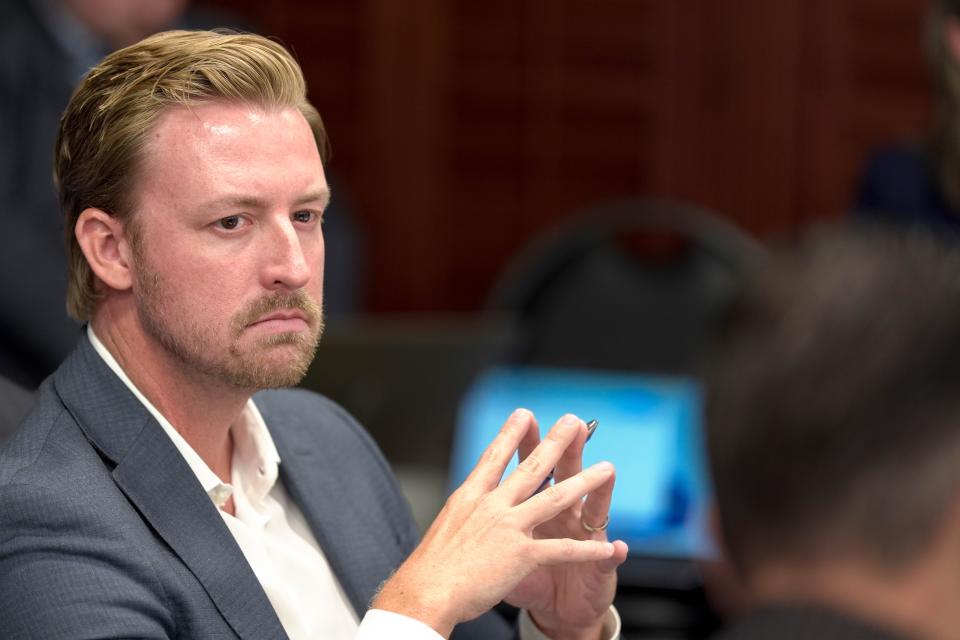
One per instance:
(462,129)
(551,109)
(746,111)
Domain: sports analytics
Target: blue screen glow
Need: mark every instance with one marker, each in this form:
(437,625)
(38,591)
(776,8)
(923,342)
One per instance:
(650,428)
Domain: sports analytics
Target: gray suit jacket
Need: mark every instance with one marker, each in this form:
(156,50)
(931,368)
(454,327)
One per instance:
(106,533)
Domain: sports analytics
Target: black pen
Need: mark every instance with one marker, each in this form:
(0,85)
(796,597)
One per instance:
(591,427)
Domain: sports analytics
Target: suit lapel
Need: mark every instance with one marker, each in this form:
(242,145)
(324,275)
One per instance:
(328,484)
(302,472)
(162,487)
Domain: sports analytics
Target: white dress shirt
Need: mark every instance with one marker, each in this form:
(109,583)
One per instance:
(276,541)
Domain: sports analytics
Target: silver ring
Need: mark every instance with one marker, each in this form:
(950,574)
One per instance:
(592,529)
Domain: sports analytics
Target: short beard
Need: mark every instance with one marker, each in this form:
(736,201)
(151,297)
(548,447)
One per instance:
(250,369)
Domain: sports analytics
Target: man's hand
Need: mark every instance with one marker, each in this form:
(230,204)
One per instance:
(569,601)
(493,539)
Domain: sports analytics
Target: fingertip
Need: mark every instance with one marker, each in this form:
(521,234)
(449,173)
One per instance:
(604,554)
(571,420)
(521,421)
(520,413)
(618,556)
(621,551)
(604,467)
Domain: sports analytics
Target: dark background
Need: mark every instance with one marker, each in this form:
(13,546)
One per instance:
(461,129)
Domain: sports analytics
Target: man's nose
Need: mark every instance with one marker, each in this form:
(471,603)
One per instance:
(286,263)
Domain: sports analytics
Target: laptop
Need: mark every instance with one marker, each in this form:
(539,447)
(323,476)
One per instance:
(650,427)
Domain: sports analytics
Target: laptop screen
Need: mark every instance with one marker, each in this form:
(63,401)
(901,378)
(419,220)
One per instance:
(649,427)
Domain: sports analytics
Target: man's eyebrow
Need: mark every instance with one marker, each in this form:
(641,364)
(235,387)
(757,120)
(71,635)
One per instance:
(321,195)
(253,202)
(233,202)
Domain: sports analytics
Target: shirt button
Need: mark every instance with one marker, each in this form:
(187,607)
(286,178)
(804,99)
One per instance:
(220,495)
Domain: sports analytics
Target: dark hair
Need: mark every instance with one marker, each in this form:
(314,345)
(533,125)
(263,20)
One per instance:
(833,402)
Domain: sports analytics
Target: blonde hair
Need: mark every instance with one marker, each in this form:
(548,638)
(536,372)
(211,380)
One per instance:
(107,122)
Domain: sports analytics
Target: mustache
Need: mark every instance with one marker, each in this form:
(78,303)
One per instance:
(279,301)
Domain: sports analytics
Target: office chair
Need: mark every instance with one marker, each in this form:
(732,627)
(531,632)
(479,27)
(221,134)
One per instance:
(630,284)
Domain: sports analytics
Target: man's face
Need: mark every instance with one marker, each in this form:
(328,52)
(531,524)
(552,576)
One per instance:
(227,243)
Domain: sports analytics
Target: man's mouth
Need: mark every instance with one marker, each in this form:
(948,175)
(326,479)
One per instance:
(283,318)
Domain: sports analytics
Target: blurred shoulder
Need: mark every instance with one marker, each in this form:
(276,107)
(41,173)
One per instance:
(894,160)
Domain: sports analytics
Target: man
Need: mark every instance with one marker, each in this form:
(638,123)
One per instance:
(46,47)
(148,495)
(833,409)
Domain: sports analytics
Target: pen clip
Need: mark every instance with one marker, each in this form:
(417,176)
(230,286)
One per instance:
(591,428)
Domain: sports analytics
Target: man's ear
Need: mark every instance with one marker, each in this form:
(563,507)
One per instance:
(107,249)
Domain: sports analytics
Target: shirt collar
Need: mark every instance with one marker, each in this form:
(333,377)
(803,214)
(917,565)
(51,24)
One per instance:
(255,458)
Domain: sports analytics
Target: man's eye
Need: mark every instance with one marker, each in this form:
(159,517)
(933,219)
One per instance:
(229,223)
(303,216)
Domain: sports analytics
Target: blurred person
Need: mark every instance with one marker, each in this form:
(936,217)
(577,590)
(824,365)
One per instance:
(157,491)
(919,184)
(46,47)
(832,413)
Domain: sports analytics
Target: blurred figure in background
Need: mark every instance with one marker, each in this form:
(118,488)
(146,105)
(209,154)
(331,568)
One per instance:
(46,47)
(832,413)
(919,184)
